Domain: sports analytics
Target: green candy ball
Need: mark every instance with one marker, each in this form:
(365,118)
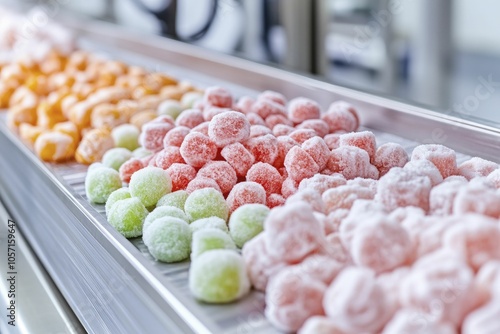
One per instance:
(168,239)
(115,157)
(126,136)
(150,184)
(170,108)
(208,239)
(190,98)
(164,211)
(100,182)
(127,217)
(115,196)
(204,203)
(177,199)
(246,222)
(141,152)
(94,166)
(210,222)
(218,276)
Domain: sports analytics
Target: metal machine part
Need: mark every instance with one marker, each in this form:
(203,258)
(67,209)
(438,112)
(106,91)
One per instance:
(113,284)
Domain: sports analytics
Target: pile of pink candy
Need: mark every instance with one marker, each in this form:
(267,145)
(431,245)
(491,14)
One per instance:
(417,251)
(253,151)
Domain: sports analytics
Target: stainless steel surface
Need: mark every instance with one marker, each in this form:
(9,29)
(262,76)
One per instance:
(38,306)
(113,284)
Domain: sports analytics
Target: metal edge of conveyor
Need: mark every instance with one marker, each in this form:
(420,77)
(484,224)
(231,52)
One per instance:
(27,289)
(109,285)
(377,112)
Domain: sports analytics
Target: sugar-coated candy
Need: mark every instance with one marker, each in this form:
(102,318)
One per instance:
(222,173)
(141,152)
(127,217)
(168,156)
(149,185)
(285,143)
(341,116)
(54,146)
(299,164)
(322,183)
(352,162)
(116,157)
(126,136)
(442,157)
(170,108)
(204,203)
(129,167)
(484,319)
(390,155)
(263,148)
(210,112)
(201,183)
(391,283)
(100,183)
(381,245)
(282,130)
(238,157)
(218,276)
(189,99)
(273,120)
(209,223)
(494,178)
(255,119)
(246,222)
(208,239)
(265,107)
(319,126)
(309,196)
(246,193)
(321,267)
(273,96)
(477,196)
(429,231)
(181,175)
(292,298)
(333,220)
(115,196)
(433,280)
(487,281)
(442,197)
(343,197)
(201,128)
(364,140)
(332,140)
(413,321)
(267,176)
(356,302)
(218,96)
(476,167)
(164,211)
(274,200)
(197,149)
(318,150)
(301,135)
(301,109)
(425,168)
(400,187)
(29,133)
(319,325)
(93,146)
(175,199)
(259,130)
(289,187)
(168,239)
(190,118)
(477,240)
(176,136)
(245,104)
(292,232)
(153,133)
(260,264)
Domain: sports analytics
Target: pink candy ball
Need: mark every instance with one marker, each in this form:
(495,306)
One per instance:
(218,97)
(181,174)
(128,168)
(282,130)
(259,130)
(332,140)
(246,193)
(301,135)
(365,140)
(168,156)
(301,109)
(285,143)
(265,107)
(344,196)
(222,173)
(152,135)
(352,162)
(201,128)
(211,111)
(263,148)
(476,167)
(442,157)
(388,156)
(267,176)
(175,137)
(319,126)
(255,119)
(299,164)
(197,149)
(425,168)
(228,127)
(274,200)
(318,150)
(309,196)
(442,197)
(273,96)
(273,120)
(190,118)
(341,116)
(245,104)
(322,183)
(479,197)
(289,187)
(201,183)
(238,157)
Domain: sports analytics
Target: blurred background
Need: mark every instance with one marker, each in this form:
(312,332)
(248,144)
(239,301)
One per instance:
(442,54)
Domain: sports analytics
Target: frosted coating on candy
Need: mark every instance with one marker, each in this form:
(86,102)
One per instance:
(168,156)
(494,178)
(332,221)
(442,157)
(301,109)
(152,135)
(390,155)
(275,200)
(487,280)
(130,167)
(299,164)
(245,104)
(204,203)
(164,211)
(319,325)
(246,222)
(289,187)
(365,140)
(175,137)
(265,107)
(285,143)
(197,149)
(228,127)
(332,140)
(181,175)
(263,148)
(207,223)
(126,136)
(282,130)
(149,185)
(238,157)
(319,126)
(442,197)
(255,119)
(483,320)
(115,157)
(127,217)
(352,162)
(320,267)
(479,197)
(343,197)
(190,118)
(301,135)
(201,128)
(273,96)
(340,116)
(100,183)
(176,199)
(168,239)
(259,130)
(413,321)
(425,168)
(115,196)
(274,120)
(208,239)
(222,173)
(246,193)
(201,183)
(476,167)
(218,276)
(318,150)
(267,176)
(218,96)
(170,108)
(309,196)
(321,183)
